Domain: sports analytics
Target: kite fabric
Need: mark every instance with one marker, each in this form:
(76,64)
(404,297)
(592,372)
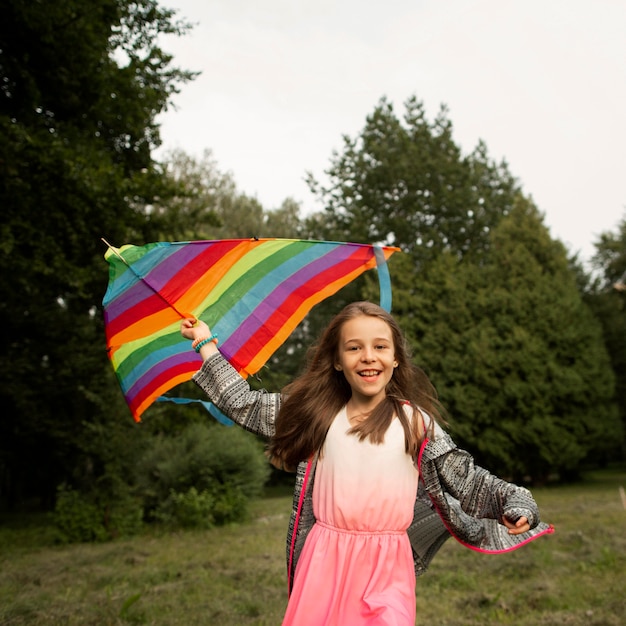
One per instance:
(251,292)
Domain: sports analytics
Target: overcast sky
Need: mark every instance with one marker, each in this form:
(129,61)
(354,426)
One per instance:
(542,82)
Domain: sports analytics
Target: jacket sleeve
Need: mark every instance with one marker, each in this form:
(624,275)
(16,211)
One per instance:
(471,502)
(480,493)
(253,410)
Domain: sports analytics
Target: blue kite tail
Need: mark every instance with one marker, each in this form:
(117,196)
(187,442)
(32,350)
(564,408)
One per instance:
(384,280)
(213,411)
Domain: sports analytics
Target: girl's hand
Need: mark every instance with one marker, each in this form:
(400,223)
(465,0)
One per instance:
(191,328)
(517,528)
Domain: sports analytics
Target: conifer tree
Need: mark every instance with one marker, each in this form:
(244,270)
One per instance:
(516,354)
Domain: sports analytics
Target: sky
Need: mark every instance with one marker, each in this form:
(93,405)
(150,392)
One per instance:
(541,82)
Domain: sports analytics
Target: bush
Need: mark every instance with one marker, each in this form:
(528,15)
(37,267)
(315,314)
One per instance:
(79,518)
(208,471)
(191,509)
(231,505)
(124,517)
(194,509)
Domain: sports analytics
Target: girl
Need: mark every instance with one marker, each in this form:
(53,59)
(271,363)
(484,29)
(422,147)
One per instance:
(359,426)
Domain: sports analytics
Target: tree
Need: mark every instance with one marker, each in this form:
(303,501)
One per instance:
(82,86)
(285,221)
(515,353)
(205,196)
(210,206)
(607,298)
(406,183)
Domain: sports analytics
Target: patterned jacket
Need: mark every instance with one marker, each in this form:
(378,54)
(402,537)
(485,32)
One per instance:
(454,497)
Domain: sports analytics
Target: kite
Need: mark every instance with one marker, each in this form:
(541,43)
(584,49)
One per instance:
(251,292)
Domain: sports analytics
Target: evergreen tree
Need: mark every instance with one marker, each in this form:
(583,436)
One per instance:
(516,354)
(607,298)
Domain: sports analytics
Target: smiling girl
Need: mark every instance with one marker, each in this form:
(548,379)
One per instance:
(379,485)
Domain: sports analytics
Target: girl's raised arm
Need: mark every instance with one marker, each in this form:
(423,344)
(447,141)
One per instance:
(253,410)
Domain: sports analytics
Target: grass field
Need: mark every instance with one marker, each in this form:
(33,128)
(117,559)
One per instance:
(235,576)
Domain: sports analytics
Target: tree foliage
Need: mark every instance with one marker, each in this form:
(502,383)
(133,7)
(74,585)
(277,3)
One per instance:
(406,183)
(516,354)
(81,88)
(208,204)
(607,299)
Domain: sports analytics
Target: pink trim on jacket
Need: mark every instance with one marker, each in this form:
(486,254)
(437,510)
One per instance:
(548,531)
(305,480)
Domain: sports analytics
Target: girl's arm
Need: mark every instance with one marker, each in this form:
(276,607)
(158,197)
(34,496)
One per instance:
(253,410)
(482,494)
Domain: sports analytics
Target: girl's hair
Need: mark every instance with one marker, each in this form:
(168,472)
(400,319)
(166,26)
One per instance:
(311,401)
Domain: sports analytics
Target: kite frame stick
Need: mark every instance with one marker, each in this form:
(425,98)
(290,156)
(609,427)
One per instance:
(143,279)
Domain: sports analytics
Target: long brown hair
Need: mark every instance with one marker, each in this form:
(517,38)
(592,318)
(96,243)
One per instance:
(312,400)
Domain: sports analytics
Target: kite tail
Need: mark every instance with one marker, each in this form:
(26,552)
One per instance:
(384,280)
(209,406)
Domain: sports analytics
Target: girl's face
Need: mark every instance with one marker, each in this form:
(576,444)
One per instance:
(366,355)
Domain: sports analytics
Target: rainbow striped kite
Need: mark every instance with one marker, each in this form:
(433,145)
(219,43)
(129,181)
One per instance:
(251,292)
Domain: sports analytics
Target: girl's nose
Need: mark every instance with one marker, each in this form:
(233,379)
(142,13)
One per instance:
(367,355)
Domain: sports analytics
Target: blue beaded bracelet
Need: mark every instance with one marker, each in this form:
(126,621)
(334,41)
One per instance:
(212,338)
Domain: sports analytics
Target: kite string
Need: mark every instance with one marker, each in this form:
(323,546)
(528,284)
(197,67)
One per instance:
(145,280)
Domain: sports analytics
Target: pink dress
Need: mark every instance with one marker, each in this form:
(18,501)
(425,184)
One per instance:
(356,566)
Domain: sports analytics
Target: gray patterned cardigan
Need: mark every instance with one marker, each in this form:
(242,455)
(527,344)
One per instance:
(454,498)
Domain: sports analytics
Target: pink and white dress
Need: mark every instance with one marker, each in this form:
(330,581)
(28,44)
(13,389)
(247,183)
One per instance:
(356,566)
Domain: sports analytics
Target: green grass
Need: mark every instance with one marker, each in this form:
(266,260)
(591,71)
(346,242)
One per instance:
(236,575)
